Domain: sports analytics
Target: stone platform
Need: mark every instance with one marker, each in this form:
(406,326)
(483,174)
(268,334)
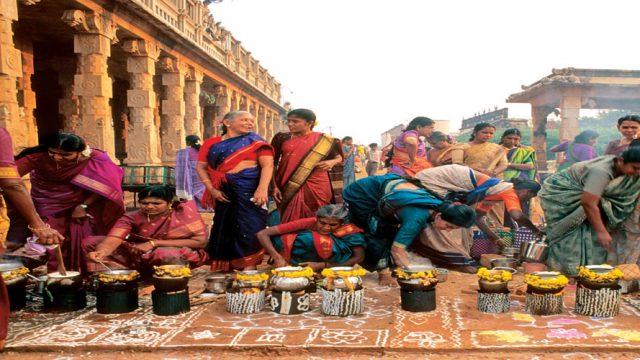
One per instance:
(455,327)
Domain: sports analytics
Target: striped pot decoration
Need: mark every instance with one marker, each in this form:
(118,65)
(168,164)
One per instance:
(601,303)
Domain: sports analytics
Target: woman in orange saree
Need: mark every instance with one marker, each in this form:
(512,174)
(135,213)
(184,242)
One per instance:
(303,160)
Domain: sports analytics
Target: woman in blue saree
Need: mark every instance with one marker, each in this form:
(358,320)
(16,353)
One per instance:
(392,210)
(236,175)
(319,242)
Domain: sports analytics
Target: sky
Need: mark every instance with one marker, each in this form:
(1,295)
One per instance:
(364,66)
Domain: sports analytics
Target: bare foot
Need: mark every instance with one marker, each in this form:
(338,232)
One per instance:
(385,279)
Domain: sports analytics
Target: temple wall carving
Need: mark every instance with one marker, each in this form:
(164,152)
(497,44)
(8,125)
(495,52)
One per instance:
(173,109)
(10,71)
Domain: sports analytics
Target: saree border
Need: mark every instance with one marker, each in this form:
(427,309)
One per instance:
(319,151)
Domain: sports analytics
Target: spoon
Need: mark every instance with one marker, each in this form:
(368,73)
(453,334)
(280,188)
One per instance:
(105,265)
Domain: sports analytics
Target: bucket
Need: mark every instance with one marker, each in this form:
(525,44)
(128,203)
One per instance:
(418,300)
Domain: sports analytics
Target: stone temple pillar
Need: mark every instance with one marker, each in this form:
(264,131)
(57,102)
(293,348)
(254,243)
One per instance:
(142,134)
(10,71)
(262,122)
(68,105)
(570,113)
(172,119)
(539,139)
(28,95)
(92,84)
(223,105)
(269,120)
(192,112)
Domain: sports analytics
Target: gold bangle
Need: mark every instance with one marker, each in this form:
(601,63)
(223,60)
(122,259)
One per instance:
(153,243)
(46,227)
(206,181)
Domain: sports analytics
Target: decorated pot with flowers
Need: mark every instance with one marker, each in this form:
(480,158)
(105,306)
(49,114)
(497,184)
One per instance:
(291,278)
(545,282)
(417,277)
(599,276)
(494,281)
(342,277)
(251,279)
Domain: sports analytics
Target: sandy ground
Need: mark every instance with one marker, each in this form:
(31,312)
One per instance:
(455,329)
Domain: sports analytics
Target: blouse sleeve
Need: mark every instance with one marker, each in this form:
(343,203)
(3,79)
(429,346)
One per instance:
(414,219)
(297,225)
(123,226)
(595,181)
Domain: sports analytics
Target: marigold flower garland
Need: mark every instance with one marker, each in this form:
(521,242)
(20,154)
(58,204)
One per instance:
(343,273)
(587,274)
(494,275)
(416,275)
(14,274)
(161,271)
(304,272)
(109,278)
(557,282)
(252,277)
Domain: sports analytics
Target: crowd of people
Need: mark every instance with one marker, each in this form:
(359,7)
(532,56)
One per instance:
(297,200)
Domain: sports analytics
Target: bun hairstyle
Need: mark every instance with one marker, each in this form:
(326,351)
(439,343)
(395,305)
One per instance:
(419,121)
(193,141)
(63,141)
(632,154)
(333,211)
(478,127)
(457,214)
(509,132)
(156,191)
(530,185)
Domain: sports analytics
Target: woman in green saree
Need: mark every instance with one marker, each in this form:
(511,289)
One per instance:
(522,158)
(584,203)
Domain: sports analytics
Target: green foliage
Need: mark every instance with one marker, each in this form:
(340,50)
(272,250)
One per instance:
(604,124)
(207,98)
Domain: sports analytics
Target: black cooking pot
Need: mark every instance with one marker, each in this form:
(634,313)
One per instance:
(117,285)
(169,284)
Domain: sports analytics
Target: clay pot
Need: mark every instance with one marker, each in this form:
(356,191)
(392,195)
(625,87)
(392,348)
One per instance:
(493,286)
(532,267)
(169,284)
(283,283)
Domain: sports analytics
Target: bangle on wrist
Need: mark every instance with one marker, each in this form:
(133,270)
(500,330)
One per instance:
(83,206)
(153,243)
(45,227)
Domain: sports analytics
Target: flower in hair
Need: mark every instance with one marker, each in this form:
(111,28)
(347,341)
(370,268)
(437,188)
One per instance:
(86,152)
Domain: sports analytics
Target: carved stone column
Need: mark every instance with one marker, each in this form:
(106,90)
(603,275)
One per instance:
(269,120)
(261,120)
(142,135)
(68,105)
(570,113)
(192,112)
(92,84)
(539,139)
(10,70)
(223,105)
(28,95)
(172,119)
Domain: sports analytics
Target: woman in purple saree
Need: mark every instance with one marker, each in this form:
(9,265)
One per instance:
(76,190)
(188,184)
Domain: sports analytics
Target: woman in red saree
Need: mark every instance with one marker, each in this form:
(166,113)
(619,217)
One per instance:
(236,169)
(303,159)
(161,232)
(12,187)
(76,190)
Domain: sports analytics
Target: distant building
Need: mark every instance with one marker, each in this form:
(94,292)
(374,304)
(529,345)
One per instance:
(443,126)
(388,136)
(498,118)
